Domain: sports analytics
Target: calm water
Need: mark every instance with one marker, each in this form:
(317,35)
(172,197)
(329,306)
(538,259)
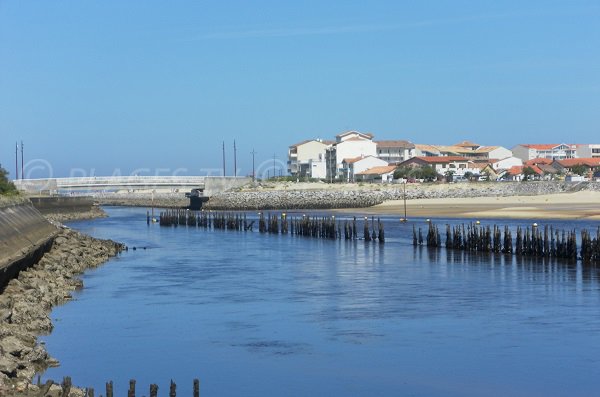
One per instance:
(261,315)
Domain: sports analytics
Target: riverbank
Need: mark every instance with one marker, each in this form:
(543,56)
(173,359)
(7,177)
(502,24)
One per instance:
(94,212)
(163,200)
(26,302)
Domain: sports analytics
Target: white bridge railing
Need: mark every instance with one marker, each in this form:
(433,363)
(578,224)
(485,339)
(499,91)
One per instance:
(132,184)
(107,182)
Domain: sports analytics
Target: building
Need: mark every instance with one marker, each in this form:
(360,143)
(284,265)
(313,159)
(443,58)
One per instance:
(423,150)
(506,163)
(394,152)
(566,166)
(307,158)
(351,167)
(466,149)
(348,145)
(516,173)
(551,151)
(382,174)
(443,164)
(468,145)
(588,150)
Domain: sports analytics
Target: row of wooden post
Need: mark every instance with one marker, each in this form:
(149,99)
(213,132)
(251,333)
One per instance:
(316,227)
(89,392)
(529,242)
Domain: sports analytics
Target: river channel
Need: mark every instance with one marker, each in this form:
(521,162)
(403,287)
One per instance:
(253,314)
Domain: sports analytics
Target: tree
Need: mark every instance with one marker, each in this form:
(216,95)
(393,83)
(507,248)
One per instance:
(6,186)
(426,173)
(528,173)
(468,175)
(449,175)
(488,175)
(402,173)
(580,169)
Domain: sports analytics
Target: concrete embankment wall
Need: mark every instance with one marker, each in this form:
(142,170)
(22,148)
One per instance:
(25,235)
(52,205)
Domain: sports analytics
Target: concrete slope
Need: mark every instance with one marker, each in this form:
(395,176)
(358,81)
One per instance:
(24,236)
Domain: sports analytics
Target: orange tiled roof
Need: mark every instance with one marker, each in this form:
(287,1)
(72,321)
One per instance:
(538,160)
(466,144)
(384,169)
(590,162)
(440,159)
(548,146)
(486,149)
(518,169)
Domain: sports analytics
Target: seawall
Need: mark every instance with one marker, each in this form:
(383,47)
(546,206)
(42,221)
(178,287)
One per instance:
(356,196)
(58,204)
(25,235)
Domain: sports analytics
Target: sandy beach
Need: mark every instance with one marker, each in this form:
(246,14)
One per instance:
(579,205)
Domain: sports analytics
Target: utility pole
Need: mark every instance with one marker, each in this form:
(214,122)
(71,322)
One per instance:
(253,173)
(16,160)
(274,169)
(22,163)
(234,159)
(223,158)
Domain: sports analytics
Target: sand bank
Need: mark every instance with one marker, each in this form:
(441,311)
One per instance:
(578,205)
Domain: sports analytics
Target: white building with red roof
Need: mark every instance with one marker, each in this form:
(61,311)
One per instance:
(555,151)
(457,165)
(382,174)
(348,145)
(353,166)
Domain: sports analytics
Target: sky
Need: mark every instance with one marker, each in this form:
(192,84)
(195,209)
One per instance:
(154,87)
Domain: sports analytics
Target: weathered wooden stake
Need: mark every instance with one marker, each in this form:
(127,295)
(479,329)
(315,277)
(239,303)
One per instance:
(131,392)
(66,386)
(196,388)
(109,389)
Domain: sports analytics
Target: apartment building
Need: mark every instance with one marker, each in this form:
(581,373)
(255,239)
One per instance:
(551,151)
(307,158)
(395,152)
(348,145)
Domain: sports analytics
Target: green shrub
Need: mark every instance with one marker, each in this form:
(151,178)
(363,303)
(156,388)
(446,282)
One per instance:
(6,186)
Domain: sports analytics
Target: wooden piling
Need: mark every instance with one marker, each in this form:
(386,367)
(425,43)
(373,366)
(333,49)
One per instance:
(173,389)
(196,388)
(131,391)
(66,386)
(109,389)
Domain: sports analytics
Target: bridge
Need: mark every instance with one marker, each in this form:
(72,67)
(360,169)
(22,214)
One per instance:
(131,184)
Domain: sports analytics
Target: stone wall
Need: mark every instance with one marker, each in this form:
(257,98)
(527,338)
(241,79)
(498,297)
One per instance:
(366,196)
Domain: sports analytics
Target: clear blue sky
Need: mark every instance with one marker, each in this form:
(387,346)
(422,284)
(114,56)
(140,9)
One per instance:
(105,85)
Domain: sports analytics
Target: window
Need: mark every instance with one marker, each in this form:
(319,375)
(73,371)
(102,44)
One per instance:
(596,150)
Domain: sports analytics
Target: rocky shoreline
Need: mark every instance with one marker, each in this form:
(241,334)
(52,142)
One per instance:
(26,302)
(95,213)
(167,200)
(290,195)
(367,196)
